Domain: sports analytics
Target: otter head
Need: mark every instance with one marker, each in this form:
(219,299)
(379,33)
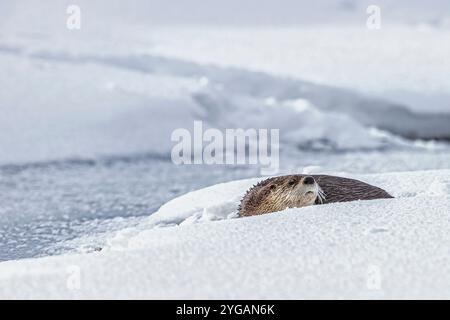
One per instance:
(293,192)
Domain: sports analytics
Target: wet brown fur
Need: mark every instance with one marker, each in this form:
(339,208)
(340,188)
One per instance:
(271,195)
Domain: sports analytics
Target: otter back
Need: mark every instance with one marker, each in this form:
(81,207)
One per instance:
(338,189)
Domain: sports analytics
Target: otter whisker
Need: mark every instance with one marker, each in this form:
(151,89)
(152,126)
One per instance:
(320,194)
(319,198)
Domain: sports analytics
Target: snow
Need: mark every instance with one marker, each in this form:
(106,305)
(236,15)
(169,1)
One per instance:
(117,105)
(98,93)
(86,118)
(389,248)
(401,63)
(220,201)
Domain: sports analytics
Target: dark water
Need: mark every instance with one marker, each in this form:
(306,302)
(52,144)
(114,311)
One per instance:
(42,204)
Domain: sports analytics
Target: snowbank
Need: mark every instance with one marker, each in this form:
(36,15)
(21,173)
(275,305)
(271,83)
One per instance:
(87,95)
(130,104)
(390,248)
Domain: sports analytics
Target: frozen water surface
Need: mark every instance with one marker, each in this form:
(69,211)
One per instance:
(86,119)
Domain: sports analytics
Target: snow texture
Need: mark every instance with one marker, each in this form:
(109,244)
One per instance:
(390,248)
(86,118)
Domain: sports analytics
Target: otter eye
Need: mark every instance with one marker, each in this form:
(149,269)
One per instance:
(291,182)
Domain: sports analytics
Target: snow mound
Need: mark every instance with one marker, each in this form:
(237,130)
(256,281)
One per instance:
(301,123)
(213,203)
(221,201)
(131,103)
(388,248)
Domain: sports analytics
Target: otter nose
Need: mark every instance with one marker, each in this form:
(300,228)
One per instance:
(308,180)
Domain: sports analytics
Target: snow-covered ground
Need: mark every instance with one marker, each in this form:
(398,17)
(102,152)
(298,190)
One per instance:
(86,118)
(390,248)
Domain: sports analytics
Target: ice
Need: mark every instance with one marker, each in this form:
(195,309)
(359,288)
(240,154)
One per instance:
(389,248)
(127,105)
(86,176)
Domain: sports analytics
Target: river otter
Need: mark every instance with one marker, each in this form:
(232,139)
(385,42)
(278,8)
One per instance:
(279,193)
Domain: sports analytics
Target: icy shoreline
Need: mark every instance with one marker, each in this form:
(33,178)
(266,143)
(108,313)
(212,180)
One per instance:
(85,158)
(328,251)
